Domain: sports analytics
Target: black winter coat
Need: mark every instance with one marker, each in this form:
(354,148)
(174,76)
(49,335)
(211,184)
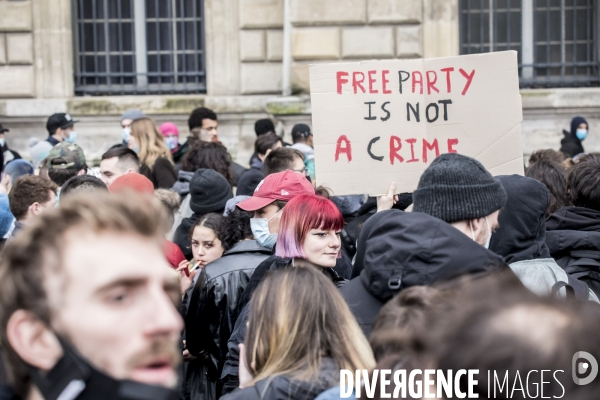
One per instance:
(397,250)
(573,237)
(211,313)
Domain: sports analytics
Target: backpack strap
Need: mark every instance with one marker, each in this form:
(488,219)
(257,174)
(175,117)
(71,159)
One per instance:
(576,289)
(559,285)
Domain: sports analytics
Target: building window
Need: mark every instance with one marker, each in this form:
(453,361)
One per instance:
(557,40)
(139,47)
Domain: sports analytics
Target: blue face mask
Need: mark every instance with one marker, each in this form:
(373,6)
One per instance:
(260,230)
(171,142)
(136,149)
(72,137)
(125,134)
(581,134)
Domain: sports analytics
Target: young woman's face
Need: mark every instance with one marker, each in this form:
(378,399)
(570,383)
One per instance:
(322,247)
(206,247)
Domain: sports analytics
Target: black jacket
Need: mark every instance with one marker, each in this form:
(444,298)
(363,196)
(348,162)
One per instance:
(162,174)
(570,144)
(283,388)
(250,179)
(521,234)
(398,250)
(573,237)
(211,313)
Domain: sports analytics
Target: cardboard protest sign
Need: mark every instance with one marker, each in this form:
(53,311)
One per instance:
(375,122)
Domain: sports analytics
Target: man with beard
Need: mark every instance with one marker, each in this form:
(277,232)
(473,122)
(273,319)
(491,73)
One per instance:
(88,303)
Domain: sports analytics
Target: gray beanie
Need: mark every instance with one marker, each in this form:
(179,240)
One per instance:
(132,115)
(458,188)
(209,191)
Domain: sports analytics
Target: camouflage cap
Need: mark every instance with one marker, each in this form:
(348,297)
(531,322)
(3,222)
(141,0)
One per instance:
(66,156)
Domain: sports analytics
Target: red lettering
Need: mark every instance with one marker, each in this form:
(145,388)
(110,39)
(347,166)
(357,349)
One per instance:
(412,150)
(447,71)
(432,146)
(385,81)
(347,149)
(415,81)
(371,82)
(469,78)
(340,80)
(395,146)
(356,83)
(431,82)
(451,144)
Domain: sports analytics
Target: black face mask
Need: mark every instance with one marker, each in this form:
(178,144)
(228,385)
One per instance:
(74,378)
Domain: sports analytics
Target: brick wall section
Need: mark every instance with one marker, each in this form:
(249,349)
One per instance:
(16,49)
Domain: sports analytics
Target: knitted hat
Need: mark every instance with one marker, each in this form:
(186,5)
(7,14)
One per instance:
(132,181)
(169,128)
(458,188)
(132,115)
(209,191)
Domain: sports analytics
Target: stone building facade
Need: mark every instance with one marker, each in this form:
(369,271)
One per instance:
(244,50)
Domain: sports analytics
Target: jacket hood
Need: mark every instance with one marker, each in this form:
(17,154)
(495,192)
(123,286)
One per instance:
(182,186)
(573,228)
(575,122)
(522,222)
(399,249)
(309,152)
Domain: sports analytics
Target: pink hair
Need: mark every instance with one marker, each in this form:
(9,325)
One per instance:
(300,215)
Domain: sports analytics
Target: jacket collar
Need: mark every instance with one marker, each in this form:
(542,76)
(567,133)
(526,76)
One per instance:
(246,246)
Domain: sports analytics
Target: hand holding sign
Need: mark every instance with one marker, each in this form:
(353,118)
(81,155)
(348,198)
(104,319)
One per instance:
(385,121)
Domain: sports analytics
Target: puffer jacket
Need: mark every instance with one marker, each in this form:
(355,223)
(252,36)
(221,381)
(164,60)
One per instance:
(211,312)
(398,249)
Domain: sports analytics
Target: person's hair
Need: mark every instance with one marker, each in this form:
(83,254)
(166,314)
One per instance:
(37,253)
(404,315)
(300,137)
(199,114)
(208,155)
(212,221)
(266,142)
(297,317)
(81,184)
(263,126)
(235,228)
(553,175)
(588,156)
(18,168)
(281,159)
(126,157)
(584,183)
(548,155)
(171,200)
(151,142)
(27,190)
(60,176)
(300,215)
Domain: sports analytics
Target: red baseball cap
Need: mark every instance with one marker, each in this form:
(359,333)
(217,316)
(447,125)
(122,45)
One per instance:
(132,181)
(280,186)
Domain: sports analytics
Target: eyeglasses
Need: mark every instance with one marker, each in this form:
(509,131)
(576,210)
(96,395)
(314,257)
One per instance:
(301,171)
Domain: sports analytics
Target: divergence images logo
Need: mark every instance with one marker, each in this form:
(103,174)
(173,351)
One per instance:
(580,367)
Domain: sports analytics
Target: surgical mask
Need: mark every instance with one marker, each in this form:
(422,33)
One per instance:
(125,134)
(260,230)
(74,378)
(581,134)
(171,142)
(72,137)
(489,235)
(2,142)
(136,149)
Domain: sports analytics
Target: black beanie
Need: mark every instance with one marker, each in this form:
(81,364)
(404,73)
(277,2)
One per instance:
(458,188)
(209,191)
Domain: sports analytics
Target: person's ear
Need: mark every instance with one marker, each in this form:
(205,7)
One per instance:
(262,157)
(81,172)
(130,171)
(32,340)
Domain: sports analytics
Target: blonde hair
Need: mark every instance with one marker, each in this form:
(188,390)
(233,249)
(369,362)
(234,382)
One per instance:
(297,317)
(151,143)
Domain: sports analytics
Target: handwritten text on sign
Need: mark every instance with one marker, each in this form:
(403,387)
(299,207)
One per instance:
(379,121)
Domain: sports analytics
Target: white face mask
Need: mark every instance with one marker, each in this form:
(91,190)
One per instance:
(260,230)
(489,233)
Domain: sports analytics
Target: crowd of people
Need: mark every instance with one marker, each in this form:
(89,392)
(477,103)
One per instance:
(174,272)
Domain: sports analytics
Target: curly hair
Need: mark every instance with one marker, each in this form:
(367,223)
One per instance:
(199,114)
(235,228)
(209,155)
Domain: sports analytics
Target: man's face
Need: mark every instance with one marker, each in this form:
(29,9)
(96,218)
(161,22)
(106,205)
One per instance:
(109,170)
(208,130)
(482,231)
(115,303)
(270,212)
(126,123)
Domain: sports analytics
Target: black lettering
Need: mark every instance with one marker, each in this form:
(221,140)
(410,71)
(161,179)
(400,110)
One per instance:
(445,103)
(370,117)
(409,107)
(373,156)
(437,112)
(402,80)
(386,111)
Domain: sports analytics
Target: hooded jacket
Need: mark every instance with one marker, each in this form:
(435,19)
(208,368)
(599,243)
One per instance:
(182,186)
(397,250)
(570,144)
(211,313)
(283,388)
(250,179)
(573,237)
